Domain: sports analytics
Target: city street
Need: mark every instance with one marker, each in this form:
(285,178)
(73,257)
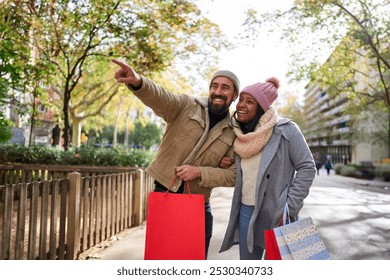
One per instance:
(352,215)
(353,218)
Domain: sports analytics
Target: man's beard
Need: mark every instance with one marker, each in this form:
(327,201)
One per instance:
(217,109)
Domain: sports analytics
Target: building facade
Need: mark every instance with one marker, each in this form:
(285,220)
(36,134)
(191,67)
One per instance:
(327,125)
(331,130)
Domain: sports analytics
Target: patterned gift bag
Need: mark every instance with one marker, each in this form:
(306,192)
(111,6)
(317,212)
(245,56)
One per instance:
(300,240)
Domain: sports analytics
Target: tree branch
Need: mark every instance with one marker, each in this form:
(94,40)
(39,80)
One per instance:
(368,36)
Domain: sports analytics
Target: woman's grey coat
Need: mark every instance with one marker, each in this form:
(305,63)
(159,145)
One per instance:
(286,173)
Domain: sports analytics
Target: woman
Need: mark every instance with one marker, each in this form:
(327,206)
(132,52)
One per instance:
(274,166)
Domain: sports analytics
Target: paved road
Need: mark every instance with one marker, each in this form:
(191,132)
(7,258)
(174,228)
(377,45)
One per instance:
(353,217)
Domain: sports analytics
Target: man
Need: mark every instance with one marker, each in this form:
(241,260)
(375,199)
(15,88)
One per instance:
(198,136)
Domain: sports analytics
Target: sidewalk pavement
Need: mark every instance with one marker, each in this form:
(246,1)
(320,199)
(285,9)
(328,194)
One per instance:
(376,183)
(129,245)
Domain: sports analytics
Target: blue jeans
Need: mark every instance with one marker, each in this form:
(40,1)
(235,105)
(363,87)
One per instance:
(245,216)
(208,215)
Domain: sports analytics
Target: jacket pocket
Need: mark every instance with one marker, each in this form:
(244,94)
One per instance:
(218,149)
(280,207)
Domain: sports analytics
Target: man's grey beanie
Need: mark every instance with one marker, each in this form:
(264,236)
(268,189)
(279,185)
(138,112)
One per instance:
(229,75)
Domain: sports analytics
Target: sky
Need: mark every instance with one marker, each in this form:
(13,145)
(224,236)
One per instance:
(252,64)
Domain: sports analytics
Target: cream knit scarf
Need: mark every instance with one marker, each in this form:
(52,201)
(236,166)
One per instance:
(249,144)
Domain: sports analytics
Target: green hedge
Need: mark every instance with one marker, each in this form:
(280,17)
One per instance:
(337,168)
(384,172)
(83,155)
(349,171)
(364,171)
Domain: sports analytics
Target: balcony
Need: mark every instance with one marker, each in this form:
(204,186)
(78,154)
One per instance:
(314,143)
(338,120)
(343,142)
(344,130)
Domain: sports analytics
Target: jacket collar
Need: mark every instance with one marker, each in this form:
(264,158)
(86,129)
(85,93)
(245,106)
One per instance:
(282,121)
(278,130)
(203,101)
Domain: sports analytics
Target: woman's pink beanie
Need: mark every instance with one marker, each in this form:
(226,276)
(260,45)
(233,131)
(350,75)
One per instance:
(264,93)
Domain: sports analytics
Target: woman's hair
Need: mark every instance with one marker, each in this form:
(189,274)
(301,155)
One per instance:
(248,127)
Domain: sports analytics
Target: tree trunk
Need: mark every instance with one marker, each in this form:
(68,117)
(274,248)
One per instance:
(127,120)
(388,137)
(32,121)
(126,141)
(115,136)
(66,121)
(31,130)
(76,132)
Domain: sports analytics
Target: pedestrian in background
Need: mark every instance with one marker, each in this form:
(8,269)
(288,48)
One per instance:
(318,166)
(197,137)
(328,167)
(274,167)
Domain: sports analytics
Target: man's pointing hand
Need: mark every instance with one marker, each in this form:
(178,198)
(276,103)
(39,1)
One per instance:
(126,74)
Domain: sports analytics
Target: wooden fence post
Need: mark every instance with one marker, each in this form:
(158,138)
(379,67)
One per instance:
(139,185)
(73,227)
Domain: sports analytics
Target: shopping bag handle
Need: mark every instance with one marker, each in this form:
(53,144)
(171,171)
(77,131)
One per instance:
(185,182)
(283,218)
(286,216)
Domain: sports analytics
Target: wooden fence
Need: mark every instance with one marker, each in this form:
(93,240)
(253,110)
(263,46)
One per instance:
(54,212)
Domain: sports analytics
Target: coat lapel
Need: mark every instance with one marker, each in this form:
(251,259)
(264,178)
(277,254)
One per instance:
(271,148)
(268,154)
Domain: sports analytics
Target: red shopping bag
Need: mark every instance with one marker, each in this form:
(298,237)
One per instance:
(271,246)
(175,226)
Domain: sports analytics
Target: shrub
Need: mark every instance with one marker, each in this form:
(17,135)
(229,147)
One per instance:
(83,155)
(338,167)
(384,172)
(39,154)
(5,129)
(366,171)
(349,171)
(11,153)
(358,171)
